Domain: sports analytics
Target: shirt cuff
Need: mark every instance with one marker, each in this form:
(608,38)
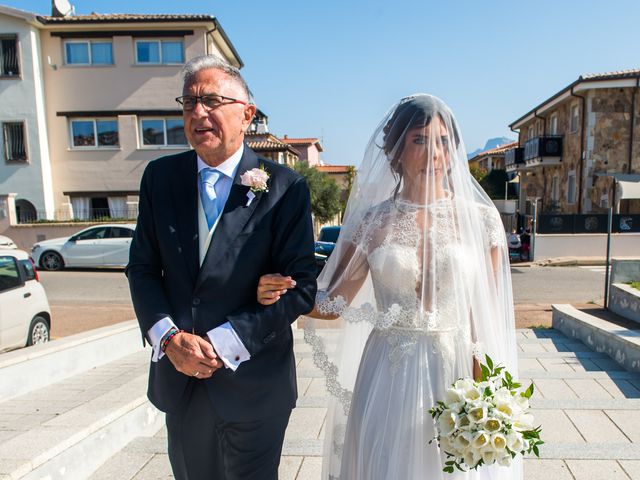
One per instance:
(155,334)
(228,346)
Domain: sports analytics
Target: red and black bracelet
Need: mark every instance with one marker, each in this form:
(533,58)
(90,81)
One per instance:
(168,337)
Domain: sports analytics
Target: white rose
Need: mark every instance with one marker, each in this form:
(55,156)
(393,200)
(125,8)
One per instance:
(492,424)
(498,441)
(514,442)
(489,456)
(481,439)
(447,422)
(505,460)
(471,457)
(523,422)
(452,395)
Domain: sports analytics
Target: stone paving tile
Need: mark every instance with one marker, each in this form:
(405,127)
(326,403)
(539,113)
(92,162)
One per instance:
(597,470)
(158,468)
(596,427)
(555,365)
(531,364)
(317,388)
(303,385)
(620,388)
(607,364)
(311,469)
(538,469)
(587,388)
(553,388)
(289,467)
(307,364)
(123,466)
(557,427)
(305,423)
(631,467)
(532,347)
(582,365)
(628,421)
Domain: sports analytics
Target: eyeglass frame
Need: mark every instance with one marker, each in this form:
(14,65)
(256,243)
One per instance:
(199,98)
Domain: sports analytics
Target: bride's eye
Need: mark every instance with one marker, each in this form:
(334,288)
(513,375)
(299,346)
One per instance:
(419,140)
(444,141)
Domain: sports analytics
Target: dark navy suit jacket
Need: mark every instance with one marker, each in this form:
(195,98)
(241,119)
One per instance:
(273,234)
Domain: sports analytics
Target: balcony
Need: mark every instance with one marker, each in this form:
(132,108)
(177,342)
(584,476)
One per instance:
(514,159)
(543,151)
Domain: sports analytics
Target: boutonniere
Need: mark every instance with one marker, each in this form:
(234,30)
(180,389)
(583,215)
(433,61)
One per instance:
(256,180)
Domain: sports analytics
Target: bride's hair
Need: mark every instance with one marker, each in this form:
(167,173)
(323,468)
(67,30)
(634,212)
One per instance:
(413,111)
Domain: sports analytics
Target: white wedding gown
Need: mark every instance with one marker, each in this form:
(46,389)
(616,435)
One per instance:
(418,343)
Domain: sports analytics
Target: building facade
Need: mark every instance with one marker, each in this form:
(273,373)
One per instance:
(491,159)
(100,92)
(576,147)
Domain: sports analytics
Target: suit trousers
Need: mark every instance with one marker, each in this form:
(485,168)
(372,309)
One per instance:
(203,446)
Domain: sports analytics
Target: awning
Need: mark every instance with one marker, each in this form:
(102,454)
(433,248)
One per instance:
(628,190)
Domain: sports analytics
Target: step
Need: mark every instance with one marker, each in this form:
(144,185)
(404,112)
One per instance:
(68,429)
(603,332)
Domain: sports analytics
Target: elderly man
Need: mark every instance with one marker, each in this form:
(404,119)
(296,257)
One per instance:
(209,226)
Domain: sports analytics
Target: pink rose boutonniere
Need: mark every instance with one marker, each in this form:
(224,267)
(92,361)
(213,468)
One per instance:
(256,180)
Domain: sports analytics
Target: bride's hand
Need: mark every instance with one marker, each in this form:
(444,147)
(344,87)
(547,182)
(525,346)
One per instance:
(271,286)
(477,371)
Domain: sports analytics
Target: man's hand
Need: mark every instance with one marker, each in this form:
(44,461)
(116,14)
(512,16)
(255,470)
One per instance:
(271,286)
(192,355)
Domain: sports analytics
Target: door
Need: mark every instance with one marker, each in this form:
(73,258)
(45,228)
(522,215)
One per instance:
(116,246)
(14,307)
(85,249)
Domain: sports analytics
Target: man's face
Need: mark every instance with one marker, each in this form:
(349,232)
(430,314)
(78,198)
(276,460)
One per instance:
(216,133)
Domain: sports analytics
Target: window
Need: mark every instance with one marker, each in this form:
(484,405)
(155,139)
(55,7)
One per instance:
(15,149)
(92,234)
(574,118)
(553,124)
(121,232)
(159,51)
(162,132)
(29,270)
(571,187)
(9,64)
(94,133)
(531,132)
(9,275)
(84,52)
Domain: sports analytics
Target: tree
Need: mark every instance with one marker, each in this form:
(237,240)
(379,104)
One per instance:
(494,184)
(325,193)
(478,173)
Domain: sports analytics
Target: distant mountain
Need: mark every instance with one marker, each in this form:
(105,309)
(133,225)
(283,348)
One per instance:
(491,143)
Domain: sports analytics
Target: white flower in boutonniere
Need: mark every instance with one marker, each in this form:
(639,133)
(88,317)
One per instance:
(255,179)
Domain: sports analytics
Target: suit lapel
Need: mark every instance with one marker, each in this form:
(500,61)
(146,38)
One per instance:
(185,199)
(234,216)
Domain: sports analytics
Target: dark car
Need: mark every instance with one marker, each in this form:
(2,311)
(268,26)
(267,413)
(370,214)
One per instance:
(325,244)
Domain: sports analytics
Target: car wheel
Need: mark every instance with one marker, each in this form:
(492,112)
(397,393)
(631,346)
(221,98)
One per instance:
(38,331)
(51,261)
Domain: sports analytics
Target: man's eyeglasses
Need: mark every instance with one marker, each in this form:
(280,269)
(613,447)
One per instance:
(211,101)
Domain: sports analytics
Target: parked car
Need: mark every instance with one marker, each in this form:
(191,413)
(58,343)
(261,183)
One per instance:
(97,246)
(6,242)
(324,246)
(25,316)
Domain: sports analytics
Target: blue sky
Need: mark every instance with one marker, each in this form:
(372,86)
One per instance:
(332,68)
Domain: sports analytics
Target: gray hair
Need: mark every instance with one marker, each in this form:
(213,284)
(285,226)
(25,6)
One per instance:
(204,62)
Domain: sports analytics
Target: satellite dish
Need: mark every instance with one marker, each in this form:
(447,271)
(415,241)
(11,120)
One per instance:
(61,8)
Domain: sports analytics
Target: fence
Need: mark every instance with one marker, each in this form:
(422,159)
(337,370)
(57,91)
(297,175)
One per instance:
(576,224)
(91,215)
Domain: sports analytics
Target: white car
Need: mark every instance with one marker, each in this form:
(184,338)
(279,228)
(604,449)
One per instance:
(25,316)
(6,242)
(98,246)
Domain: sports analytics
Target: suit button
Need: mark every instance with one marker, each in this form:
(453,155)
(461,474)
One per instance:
(237,358)
(196,301)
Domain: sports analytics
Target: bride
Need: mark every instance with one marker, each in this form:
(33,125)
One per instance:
(419,289)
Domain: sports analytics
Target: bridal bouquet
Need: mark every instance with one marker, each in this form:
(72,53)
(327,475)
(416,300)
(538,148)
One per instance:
(481,423)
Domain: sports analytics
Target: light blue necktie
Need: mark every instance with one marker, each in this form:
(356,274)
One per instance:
(208,196)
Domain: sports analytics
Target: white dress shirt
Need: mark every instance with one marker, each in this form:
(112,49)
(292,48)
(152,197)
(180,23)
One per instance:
(224,339)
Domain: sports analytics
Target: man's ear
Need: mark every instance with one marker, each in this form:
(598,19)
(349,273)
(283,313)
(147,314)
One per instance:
(249,112)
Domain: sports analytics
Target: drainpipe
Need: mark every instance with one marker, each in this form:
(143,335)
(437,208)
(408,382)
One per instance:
(581,162)
(633,123)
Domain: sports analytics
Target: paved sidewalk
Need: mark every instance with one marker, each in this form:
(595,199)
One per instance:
(589,409)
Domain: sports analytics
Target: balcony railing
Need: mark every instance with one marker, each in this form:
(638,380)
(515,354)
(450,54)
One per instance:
(514,159)
(129,213)
(546,150)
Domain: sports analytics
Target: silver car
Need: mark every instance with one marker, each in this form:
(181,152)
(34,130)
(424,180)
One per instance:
(98,246)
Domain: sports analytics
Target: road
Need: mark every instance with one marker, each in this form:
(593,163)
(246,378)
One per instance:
(85,299)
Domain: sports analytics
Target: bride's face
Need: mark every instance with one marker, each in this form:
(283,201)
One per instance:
(426,151)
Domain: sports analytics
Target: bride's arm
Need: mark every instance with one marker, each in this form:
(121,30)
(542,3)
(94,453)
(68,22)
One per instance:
(349,275)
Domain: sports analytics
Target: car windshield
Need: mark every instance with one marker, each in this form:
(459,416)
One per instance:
(329,235)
